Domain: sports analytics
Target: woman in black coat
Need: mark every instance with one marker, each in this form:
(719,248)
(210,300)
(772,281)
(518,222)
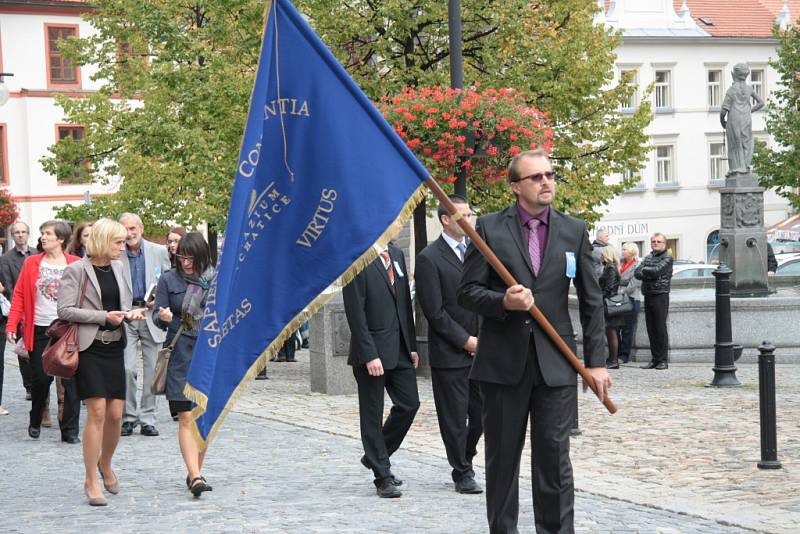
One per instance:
(180,301)
(609,284)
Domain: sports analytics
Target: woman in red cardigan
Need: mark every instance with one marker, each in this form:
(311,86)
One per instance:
(34,305)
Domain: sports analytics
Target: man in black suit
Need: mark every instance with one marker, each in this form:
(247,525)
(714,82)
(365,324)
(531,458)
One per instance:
(383,353)
(452,342)
(521,372)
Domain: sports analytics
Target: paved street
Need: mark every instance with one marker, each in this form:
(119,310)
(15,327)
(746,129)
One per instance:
(287,461)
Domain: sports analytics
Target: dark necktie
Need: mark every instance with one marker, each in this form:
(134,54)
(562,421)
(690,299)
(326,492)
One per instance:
(533,244)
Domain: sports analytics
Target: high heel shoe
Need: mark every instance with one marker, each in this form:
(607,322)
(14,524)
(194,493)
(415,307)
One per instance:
(198,486)
(94,501)
(111,487)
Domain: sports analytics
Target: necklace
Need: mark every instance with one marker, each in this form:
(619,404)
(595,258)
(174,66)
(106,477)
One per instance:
(107,268)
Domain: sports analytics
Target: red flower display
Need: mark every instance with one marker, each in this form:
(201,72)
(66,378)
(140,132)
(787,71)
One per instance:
(477,130)
(9,212)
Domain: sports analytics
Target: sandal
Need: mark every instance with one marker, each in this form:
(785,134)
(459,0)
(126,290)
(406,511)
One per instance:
(198,486)
(189,481)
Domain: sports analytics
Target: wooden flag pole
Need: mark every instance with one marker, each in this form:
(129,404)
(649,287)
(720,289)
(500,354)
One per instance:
(508,278)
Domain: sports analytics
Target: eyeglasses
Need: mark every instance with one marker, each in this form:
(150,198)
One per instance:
(184,258)
(550,175)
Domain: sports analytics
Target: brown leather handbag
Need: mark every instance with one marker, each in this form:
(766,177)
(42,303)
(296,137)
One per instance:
(60,356)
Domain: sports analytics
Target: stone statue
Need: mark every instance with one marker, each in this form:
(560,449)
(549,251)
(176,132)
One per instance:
(735,119)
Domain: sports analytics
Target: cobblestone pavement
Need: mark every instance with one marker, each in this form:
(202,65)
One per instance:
(286,460)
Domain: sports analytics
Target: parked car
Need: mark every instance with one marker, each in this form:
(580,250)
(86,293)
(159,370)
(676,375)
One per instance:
(688,270)
(788,264)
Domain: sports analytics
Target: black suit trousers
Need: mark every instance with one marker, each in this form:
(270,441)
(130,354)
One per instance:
(458,408)
(379,444)
(506,410)
(40,389)
(656,308)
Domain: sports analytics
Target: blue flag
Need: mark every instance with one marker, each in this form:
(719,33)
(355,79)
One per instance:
(321,178)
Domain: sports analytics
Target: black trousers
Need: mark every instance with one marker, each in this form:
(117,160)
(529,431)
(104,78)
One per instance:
(458,408)
(380,443)
(656,308)
(506,410)
(629,331)
(40,388)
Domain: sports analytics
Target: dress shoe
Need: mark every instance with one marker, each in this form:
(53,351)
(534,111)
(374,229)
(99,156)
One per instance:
(396,481)
(612,365)
(34,431)
(149,430)
(127,428)
(94,501)
(468,485)
(72,440)
(387,490)
(648,365)
(661,366)
(625,359)
(111,487)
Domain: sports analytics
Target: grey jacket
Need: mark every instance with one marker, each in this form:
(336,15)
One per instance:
(91,315)
(630,285)
(156,262)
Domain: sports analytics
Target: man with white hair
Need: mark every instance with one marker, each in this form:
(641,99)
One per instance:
(144,263)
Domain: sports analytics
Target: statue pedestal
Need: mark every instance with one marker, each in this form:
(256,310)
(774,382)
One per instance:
(742,235)
(329,345)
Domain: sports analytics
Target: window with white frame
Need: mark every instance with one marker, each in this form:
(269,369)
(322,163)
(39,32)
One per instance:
(717,161)
(633,176)
(633,99)
(665,164)
(663,85)
(714,88)
(757,81)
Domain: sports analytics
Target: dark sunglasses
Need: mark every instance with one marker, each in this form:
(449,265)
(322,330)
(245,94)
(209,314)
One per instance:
(550,175)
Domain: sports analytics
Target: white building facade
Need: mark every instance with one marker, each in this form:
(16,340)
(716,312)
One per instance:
(688,55)
(31,120)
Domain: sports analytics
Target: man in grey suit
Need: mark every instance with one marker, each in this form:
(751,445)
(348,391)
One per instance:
(521,372)
(144,262)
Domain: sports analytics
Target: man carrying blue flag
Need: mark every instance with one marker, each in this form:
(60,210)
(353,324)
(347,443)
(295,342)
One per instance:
(383,354)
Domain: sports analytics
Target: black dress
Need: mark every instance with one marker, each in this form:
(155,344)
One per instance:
(101,368)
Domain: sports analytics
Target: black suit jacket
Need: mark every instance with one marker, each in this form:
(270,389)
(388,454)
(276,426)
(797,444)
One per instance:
(438,276)
(505,335)
(381,325)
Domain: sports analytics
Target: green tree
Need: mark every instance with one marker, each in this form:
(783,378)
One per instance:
(191,66)
(548,49)
(779,168)
(169,118)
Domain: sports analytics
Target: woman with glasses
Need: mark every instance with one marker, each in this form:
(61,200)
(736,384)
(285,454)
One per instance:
(179,306)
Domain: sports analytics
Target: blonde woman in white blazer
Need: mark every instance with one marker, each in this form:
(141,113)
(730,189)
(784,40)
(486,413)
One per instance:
(100,378)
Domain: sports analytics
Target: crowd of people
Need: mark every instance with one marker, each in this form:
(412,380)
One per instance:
(129,297)
(494,368)
(629,278)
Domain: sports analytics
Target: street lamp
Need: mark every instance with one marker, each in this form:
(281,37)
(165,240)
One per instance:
(4,92)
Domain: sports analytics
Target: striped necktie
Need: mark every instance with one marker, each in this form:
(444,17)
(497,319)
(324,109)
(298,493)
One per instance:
(387,263)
